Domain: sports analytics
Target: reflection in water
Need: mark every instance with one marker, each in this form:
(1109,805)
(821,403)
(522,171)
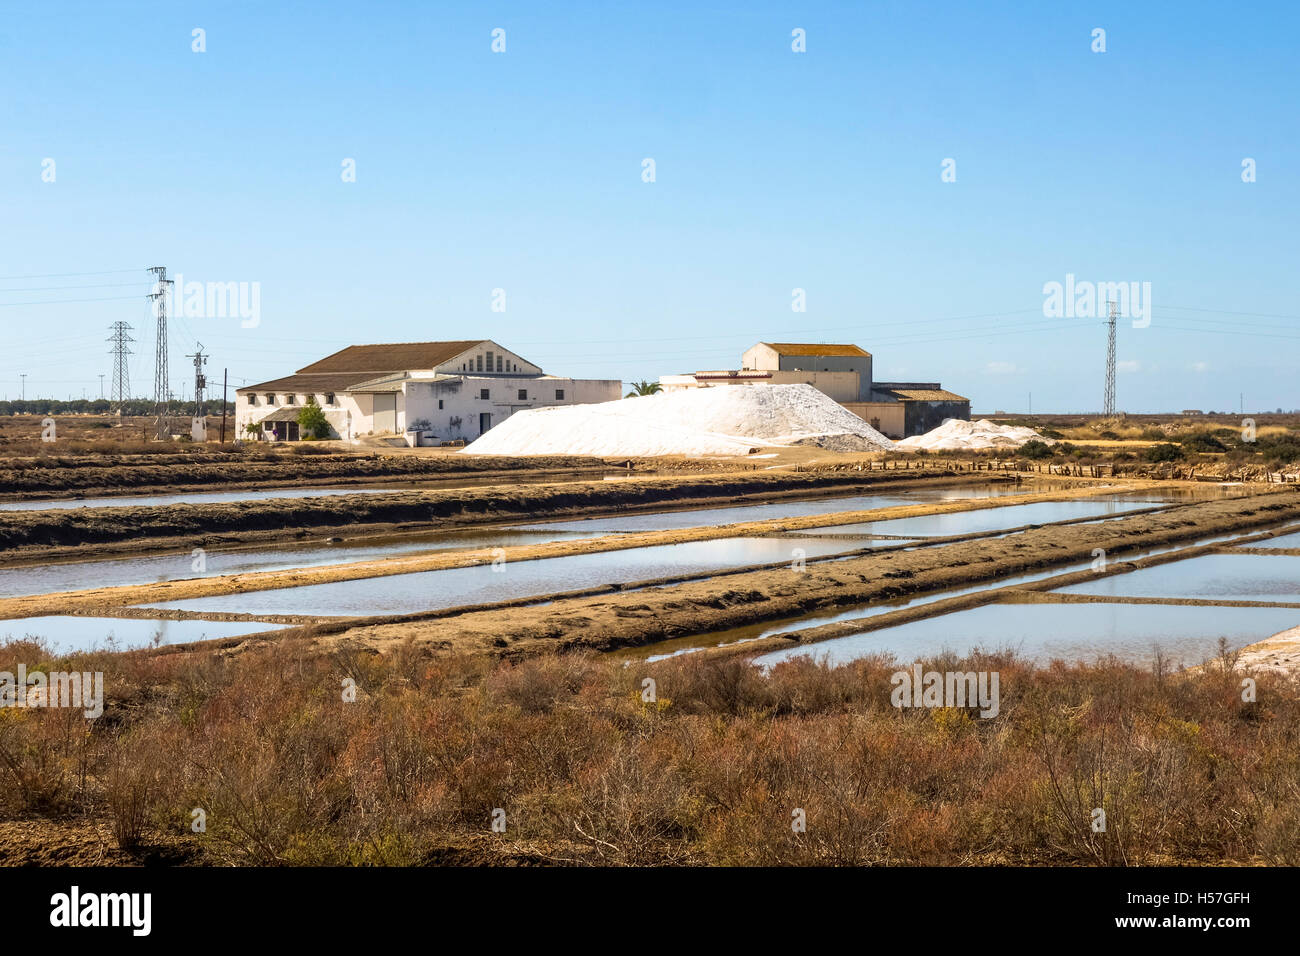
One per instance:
(1042,632)
(426,590)
(68,634)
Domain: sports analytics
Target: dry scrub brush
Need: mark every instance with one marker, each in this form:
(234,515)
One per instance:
(584,766)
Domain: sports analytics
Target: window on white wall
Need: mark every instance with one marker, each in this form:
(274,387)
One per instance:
(480,363)
(498,363)
(559,394)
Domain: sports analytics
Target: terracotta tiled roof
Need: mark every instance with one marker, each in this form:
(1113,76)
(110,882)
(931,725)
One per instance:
(814,348)
(925,395)
(374,360)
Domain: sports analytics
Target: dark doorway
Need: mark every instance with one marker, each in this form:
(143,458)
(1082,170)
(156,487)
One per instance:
(484,421)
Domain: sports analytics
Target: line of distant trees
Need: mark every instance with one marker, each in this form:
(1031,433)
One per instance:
(134,407)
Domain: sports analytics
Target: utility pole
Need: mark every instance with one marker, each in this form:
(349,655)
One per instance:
(23,376)
(101,384)
(121,375)
(161,393)
(200,380)
(199,426)
(1108,409)
(225,377)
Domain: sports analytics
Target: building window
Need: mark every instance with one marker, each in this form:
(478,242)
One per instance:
(559,394)
(523,394)
(499,363)
(270,398)
(480,363)
(489,361)
(252,399)
(329,398)
(440,404)
(484,394)
(291,399)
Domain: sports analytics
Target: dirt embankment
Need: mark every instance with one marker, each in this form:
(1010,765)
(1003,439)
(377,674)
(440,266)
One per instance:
(609,622)
(35,479)
(91,531)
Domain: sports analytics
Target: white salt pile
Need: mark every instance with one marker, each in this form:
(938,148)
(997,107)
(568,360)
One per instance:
(957,435)
(722,420)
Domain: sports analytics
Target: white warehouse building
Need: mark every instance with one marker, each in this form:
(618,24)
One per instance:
(448,390)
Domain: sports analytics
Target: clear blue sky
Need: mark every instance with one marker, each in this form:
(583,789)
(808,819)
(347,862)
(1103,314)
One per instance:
(775,171)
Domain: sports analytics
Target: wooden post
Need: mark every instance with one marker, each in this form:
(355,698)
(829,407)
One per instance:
(225,378)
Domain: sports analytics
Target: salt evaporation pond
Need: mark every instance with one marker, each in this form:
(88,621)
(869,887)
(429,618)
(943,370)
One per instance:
(430,590)
(1042,632)
(67,633)
(670,520)
(990,519)
(117,572)
(1281,541)
(1231,577)
(193,498)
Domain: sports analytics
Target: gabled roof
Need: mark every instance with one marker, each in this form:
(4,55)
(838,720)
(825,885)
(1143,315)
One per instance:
(375,360)
(814,348)
(364,364)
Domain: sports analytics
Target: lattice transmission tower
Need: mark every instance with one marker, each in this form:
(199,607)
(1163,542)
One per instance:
(121,390)
(1108,405)
(161,389)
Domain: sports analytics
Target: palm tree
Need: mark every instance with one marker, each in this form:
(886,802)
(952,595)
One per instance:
(643,388)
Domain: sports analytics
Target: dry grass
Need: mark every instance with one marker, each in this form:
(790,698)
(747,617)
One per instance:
(587,771)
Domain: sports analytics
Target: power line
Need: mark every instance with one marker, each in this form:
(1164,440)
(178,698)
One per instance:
(64,275)
(72,288)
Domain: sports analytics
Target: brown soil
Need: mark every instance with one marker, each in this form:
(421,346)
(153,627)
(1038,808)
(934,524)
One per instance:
(79,476)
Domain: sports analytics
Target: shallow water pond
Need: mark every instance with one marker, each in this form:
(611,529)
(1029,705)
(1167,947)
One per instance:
(77,575)
(1234,577)
(193,498)
(66,633)
(991,519)
(1186,635)
(429,590)
(781,509)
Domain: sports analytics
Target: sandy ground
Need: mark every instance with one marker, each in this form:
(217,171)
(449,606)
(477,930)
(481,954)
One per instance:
(1280,653)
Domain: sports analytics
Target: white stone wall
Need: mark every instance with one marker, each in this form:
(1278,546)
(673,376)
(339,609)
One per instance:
(462,403)
(352,415)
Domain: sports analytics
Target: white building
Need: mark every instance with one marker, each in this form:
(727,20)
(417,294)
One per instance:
(446,390)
